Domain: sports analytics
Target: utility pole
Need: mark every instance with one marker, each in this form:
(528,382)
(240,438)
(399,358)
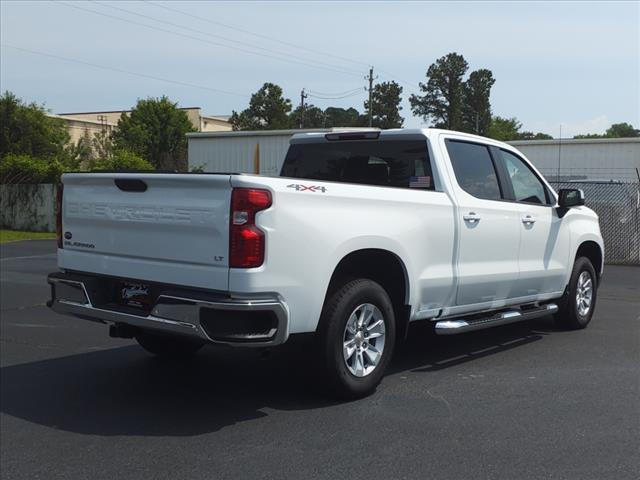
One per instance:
(103,123)
(371,79)
(303,96)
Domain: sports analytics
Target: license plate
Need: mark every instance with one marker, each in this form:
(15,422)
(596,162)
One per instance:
(135,294)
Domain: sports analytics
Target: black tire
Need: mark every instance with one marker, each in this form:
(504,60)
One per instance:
(568,316)
(336,312)
(168,346)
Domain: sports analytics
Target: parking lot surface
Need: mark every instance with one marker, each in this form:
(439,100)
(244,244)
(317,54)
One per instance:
(525,401)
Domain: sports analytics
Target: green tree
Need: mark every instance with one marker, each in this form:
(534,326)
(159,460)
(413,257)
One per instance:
(268,110)
(622,130)
(343,117)
(27,169)
(589,135)
(385,99)
(26,129)
(476,111)
(81,153)
(504,128)
(617,130)
(156,131)
(312,117)
(443,99)
(534,136)
(120,160)
(102,144)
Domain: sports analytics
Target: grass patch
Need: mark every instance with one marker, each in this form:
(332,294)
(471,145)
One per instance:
(15,236)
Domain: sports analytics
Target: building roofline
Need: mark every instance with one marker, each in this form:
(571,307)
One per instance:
(83,120)
(574,141)
(266,133)
(117,111)
(515,143)
(216,117)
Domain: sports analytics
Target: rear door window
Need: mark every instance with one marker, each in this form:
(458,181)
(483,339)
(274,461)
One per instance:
(474,169)
(387,163)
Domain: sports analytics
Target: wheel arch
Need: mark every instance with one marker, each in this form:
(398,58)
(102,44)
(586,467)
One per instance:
(593,252)
(383,267)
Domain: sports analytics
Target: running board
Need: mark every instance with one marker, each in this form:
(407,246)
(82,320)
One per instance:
(452,327)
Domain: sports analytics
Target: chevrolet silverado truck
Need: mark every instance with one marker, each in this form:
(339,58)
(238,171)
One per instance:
(360,235)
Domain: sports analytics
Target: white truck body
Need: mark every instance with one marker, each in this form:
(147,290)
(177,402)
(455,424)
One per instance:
(459,254)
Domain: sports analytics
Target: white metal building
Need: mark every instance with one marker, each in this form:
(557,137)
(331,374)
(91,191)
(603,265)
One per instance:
(264,151)
(592,159)
(242,152)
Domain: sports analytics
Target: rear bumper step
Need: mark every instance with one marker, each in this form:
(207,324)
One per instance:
(241,322)
(455,326)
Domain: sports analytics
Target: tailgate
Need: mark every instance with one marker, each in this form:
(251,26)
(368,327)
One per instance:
(168,228)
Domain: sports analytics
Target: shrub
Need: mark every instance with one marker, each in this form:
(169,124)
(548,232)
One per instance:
(121,160)
(27,169)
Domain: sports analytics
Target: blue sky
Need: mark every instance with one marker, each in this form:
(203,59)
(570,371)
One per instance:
(570,63)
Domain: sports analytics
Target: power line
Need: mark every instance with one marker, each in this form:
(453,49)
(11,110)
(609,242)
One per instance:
(335,98)
(394,77)
(198,39)
(249,32)
(333,67)
(335,94)
(300,47)
(128,72)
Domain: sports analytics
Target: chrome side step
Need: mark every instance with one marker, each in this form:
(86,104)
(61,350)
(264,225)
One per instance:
(454,326)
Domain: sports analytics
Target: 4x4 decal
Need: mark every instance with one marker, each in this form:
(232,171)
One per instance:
(312,188)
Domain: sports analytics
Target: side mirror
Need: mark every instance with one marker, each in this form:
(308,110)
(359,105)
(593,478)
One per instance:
(570,197)
(567,198)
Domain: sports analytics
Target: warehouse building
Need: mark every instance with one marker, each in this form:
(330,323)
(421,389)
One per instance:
(559,160)
(87,124)
(79,128)
(202,123)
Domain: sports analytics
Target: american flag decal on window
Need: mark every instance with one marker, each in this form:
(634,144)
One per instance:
(420,182)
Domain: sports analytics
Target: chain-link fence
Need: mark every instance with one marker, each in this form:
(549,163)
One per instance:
(601,174)
(617,203)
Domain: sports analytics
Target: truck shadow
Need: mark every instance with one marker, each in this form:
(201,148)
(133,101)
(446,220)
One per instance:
(124,391)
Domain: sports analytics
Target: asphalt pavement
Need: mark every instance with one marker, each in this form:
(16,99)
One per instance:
(524,401)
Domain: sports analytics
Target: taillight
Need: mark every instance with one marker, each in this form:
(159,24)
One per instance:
(246,240)
(59,192)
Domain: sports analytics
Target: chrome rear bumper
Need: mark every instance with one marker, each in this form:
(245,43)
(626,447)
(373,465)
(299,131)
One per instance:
(177,314)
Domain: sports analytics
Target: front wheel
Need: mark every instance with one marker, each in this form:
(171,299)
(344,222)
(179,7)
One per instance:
(168,346)
(357,336)
(577,306)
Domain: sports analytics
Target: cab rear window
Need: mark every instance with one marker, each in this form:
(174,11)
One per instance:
(387,163)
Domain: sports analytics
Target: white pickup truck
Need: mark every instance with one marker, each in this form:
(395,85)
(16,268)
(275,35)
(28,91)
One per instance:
(362,234)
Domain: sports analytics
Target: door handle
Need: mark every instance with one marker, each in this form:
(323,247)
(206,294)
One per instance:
(471,217)
(528,220)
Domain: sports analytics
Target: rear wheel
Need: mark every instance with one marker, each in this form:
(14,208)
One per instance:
(357,336)
(577,306)
(168,346)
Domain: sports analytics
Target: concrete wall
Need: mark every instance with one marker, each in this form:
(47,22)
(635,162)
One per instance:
(28,207)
